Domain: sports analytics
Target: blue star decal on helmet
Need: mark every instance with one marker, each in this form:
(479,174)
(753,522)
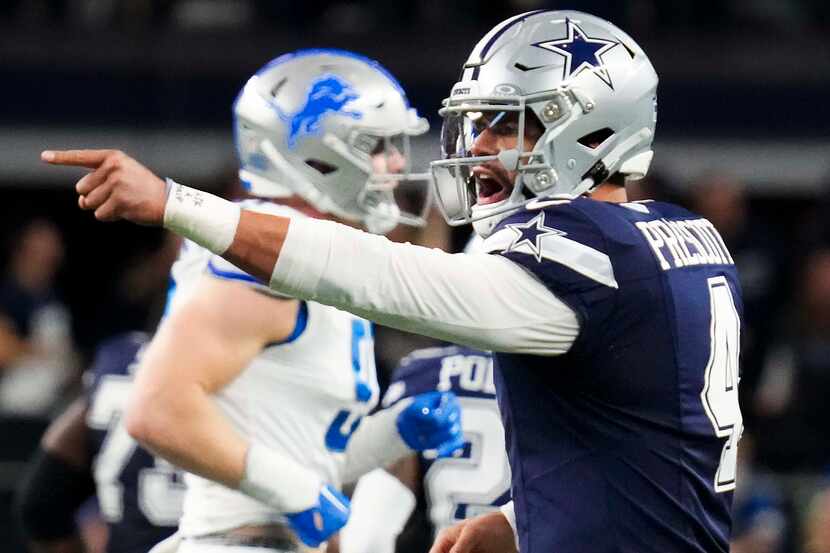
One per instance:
(580,52)
(531,234)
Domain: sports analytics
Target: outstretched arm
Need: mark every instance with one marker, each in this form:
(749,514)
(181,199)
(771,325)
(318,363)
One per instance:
(459,298)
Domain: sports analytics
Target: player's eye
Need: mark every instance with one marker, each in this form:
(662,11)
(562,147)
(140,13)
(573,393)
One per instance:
(369,144)
(479,126)
(505,124)
(377,148)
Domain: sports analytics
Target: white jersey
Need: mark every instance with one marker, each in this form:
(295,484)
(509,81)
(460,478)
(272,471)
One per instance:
(302,397)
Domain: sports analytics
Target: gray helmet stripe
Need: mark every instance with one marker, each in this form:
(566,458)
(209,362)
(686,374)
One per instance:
(500,31)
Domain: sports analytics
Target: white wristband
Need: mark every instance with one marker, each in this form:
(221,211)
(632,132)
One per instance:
(279,481)
(381,506)
(200,216)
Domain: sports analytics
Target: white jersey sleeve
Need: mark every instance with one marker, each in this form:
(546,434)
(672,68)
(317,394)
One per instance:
(479,300)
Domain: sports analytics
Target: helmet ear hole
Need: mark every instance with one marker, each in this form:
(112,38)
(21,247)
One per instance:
(320,166)
(595,139)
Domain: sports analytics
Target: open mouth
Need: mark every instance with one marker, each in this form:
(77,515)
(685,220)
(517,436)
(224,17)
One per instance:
(490,188)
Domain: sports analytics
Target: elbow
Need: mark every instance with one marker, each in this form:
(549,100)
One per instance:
(138,425)
(149,422)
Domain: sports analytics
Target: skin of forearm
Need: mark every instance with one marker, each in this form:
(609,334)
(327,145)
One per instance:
(257,243)
(206,341)
(171,411)
(188,430)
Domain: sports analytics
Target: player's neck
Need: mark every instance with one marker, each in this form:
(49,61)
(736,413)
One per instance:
(607,192)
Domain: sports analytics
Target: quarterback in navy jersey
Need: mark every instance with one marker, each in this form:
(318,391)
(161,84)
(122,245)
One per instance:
(616,324)
(474,481)
(629,419)
(87,452)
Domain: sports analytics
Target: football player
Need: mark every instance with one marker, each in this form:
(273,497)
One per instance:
(87,451)
(455,488)
(240,385)
(615,324)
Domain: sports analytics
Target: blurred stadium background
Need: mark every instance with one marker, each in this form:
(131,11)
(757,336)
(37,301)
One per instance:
(743,137)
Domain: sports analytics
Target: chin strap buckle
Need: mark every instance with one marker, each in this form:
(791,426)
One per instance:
(597,173)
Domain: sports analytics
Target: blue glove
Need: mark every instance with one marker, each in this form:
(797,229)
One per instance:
(315,525)
(432,422)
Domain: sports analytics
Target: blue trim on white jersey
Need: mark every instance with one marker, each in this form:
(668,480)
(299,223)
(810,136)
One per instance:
(230,275)
(171,290)
(299,326)
(361,329)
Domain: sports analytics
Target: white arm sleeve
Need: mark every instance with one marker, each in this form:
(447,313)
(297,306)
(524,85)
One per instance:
(479,300)
(375,444)
(381,505)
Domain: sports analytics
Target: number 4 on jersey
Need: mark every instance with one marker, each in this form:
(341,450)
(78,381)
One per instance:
(720,391)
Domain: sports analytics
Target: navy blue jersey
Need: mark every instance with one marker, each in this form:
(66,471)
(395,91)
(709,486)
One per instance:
(139,495)
(478,480)
(627,442)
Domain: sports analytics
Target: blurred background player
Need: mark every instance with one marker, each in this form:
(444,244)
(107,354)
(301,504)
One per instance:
(240,384)
(454,488)
(87,452)
(37,356)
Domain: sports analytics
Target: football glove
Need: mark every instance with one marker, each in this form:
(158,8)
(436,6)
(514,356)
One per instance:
(432,422)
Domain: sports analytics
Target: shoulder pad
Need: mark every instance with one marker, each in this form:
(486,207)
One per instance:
(560,234)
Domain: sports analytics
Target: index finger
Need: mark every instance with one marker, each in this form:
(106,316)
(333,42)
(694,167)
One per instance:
(78,158)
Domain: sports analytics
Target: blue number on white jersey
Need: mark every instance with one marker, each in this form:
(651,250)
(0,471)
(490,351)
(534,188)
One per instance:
(363,365)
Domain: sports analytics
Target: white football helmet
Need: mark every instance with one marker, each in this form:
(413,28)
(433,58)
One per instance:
(332,127)
(592,89)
